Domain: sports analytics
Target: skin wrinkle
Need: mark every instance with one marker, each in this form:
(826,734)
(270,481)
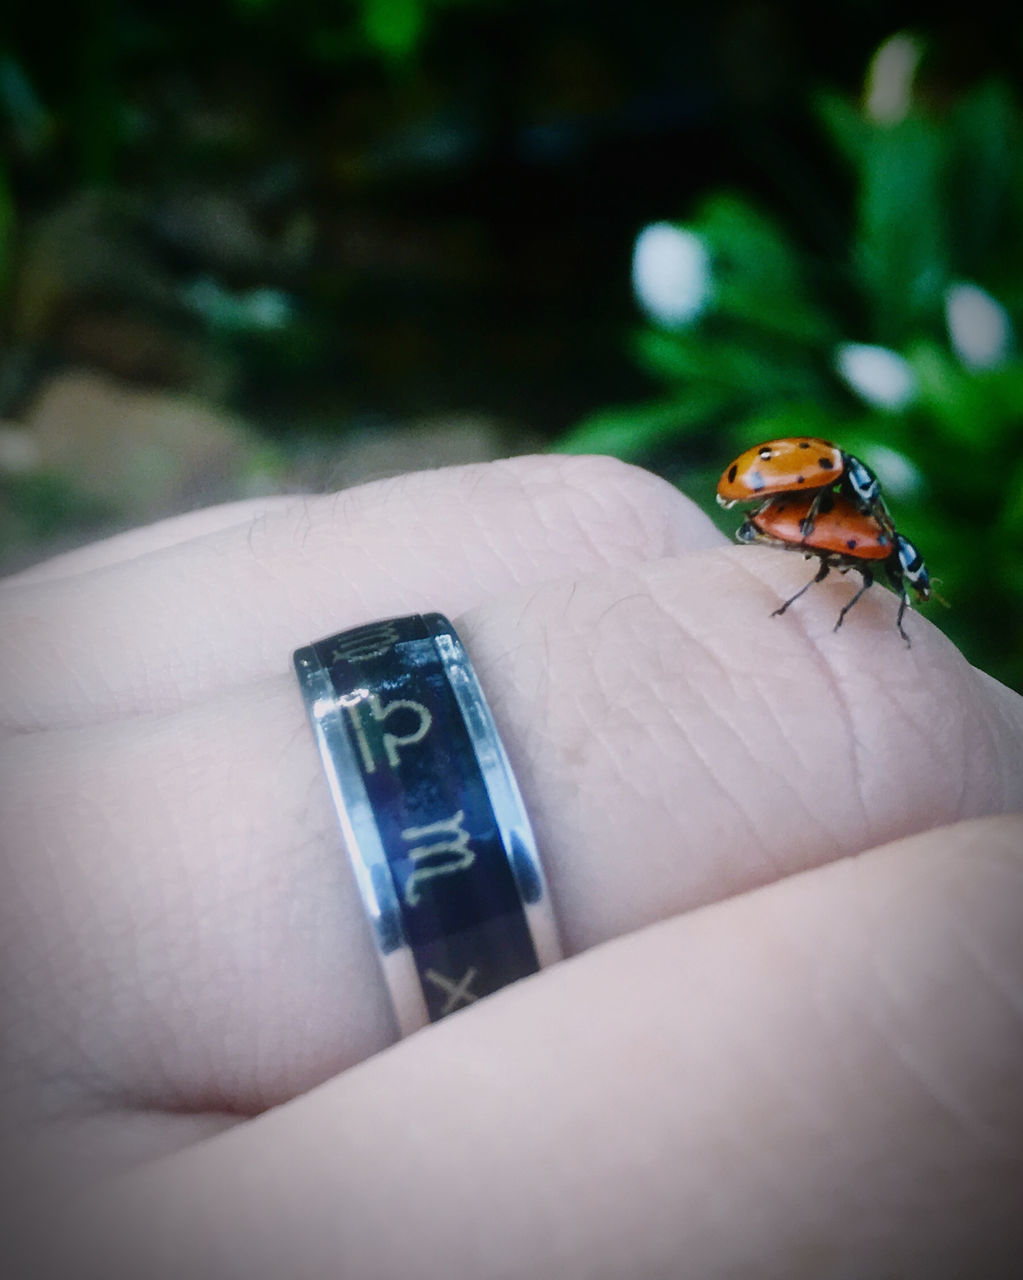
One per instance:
(964,754)
(1006,794)
(126,911)
(188,529)
(891,1003)
(736,795)
(172,573)
(846,712)
(578,621)
(997,713)
(618,697)
(200,766)
(243,995)
(970,940)
(733,796)
(765,762)
(842,1006)
(660,534)
(540,704)
(834,1193)
(971,734)
(881,1019)
(895,691)
(912,1057)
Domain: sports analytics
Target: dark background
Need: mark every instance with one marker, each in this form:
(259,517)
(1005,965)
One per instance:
(255,246)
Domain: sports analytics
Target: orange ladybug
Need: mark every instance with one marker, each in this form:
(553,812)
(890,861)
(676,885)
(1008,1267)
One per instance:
(794,464)
(842,537)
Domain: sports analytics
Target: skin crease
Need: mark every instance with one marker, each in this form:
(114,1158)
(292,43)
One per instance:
(783,1045)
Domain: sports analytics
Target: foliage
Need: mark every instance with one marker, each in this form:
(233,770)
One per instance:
(930,393)
(392,29)
(40,505)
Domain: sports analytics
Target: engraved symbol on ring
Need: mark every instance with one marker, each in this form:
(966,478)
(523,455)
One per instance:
(380,712)
(456,843)
(365,642)
(458,993)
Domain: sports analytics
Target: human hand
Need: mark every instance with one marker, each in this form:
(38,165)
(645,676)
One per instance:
(766,1057)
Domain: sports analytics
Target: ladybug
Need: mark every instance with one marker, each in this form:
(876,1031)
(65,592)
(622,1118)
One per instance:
(843,537)
(793,464)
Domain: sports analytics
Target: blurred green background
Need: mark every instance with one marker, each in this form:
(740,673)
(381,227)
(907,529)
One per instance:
(251,246)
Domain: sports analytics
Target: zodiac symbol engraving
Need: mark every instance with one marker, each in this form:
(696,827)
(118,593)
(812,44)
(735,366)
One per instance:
(453,840)
(365,642)
(458,993)
(380,712)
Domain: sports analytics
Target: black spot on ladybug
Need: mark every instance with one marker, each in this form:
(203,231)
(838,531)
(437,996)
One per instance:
(851,543)
(732,473)
(800,479)
(756,481)
(825,464)
(804,444)
(766,452)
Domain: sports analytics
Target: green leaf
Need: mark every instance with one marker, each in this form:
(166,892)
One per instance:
(757,273)
(797,418)
(24,113)
(902,252)
(1012,511)
(849,128)
(759,372)
(394,27)
(959,403)
(746,243)
(632,431)
(984,137)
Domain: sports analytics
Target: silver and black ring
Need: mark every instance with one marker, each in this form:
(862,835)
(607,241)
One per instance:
(436,830)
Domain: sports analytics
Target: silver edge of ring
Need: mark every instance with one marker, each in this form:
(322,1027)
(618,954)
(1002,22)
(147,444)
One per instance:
(505,797)
(362,841)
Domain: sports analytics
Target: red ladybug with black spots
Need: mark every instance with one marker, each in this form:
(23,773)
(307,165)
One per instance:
(796,464)
(843,537)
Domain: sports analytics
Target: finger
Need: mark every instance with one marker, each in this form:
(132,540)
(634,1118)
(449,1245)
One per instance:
(179,892)
(160,536)
(667,708)
(821,1076)
(173,626)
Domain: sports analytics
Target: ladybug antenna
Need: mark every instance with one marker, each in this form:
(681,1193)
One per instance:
(936,595)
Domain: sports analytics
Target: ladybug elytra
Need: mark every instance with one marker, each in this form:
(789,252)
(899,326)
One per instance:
(794,464)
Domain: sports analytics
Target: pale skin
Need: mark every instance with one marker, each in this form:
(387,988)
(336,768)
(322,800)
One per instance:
(785,863)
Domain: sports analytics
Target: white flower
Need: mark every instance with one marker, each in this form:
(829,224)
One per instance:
(266,308)
(878,375)
(671,273)
(979,328)
(888,92)
(19,450)
(898,476)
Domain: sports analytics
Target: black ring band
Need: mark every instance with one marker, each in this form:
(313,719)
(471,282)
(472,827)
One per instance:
(435,826)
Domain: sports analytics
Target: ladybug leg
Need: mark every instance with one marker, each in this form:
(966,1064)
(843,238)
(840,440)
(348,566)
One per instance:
(898,580)
(823,501)
(903,605)
(819,576)
(868,580)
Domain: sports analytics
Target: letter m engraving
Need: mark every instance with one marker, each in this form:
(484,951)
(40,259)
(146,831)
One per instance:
(445,844)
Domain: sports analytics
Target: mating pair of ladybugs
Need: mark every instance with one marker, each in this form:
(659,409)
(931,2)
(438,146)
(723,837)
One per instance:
(815,498)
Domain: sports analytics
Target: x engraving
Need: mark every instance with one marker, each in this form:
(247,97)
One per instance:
(458,993)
